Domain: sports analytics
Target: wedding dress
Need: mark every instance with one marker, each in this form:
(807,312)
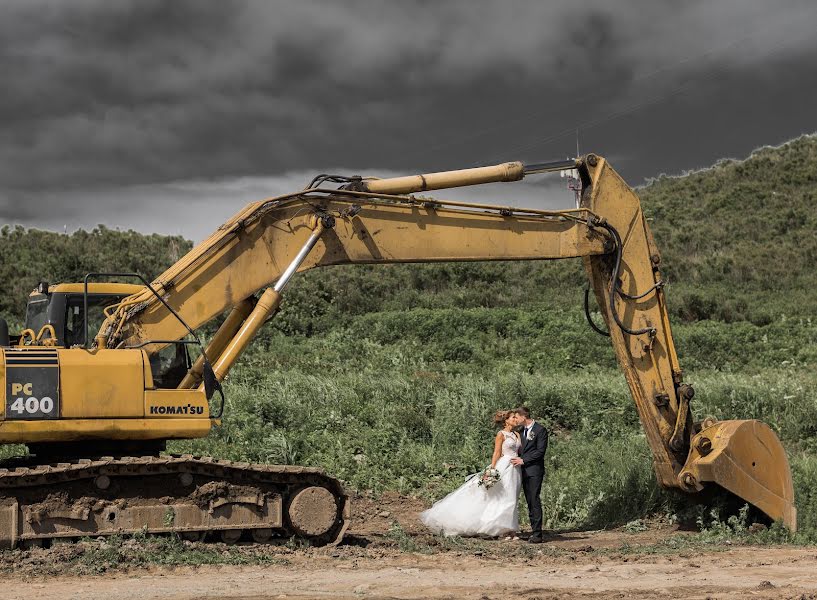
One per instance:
(474,510)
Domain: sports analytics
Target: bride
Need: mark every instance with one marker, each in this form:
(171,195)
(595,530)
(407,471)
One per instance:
(473,509)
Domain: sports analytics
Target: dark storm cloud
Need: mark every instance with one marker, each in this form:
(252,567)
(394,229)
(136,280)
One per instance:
(105,94)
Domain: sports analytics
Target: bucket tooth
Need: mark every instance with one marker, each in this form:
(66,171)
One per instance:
(746,458)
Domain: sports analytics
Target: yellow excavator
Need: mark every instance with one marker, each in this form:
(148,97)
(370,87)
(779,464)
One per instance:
(102,376)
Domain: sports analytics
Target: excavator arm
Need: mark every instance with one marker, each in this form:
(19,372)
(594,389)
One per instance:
(370,221)
(253,249)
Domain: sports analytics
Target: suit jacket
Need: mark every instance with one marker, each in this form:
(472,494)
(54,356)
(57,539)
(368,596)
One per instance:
(533,450)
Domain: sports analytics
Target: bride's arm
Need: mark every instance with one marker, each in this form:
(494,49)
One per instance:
(497,449)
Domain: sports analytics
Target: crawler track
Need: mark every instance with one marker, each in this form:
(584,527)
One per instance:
(197,497)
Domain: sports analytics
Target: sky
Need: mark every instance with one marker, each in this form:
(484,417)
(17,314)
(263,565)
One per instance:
(169,116)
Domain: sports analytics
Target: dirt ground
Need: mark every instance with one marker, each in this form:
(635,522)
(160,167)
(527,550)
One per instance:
(374,563)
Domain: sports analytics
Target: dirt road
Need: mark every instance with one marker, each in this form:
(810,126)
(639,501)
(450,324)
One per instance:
(740,573)
(381,561)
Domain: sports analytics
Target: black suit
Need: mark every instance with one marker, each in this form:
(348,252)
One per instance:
(533,451)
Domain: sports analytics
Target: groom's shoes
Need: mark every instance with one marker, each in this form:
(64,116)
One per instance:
(536,538)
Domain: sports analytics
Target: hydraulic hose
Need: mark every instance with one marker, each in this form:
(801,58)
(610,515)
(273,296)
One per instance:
(619,250)
(590,322)
(658,285)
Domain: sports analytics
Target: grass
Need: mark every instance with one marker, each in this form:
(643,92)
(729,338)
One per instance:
(377,406)
(98,556)
(141,551)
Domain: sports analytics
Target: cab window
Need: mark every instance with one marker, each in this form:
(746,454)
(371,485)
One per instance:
(75,324)
(37,312)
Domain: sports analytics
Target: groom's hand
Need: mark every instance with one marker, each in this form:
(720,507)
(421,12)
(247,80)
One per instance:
(517,461)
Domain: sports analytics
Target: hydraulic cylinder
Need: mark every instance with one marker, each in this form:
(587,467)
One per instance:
(266,306)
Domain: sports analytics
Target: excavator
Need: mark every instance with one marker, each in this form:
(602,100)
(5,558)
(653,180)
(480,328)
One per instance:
(103,376)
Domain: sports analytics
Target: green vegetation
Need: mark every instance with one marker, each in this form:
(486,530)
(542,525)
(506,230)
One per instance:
(100,555)
(386,376)
(28,256)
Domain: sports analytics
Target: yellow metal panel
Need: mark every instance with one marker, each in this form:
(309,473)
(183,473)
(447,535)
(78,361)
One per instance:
(97,288)
(237,262)
(70,430)
(646,363)
(105,383)
(176,404)
(149,385)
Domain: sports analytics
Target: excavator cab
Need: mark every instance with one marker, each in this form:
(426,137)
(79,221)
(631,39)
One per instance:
(55,317)
(55,314)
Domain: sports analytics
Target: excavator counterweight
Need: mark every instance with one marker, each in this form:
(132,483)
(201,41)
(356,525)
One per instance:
(85,404)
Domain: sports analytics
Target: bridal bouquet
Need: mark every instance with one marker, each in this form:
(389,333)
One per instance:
(488,478)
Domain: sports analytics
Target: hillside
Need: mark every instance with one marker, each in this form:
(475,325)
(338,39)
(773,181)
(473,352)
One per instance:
(740,238)
(28,256)
(386,375)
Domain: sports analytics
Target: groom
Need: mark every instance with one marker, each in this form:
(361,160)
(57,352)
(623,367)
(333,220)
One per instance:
(532,461)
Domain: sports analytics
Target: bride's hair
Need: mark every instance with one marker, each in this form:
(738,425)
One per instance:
(501,416)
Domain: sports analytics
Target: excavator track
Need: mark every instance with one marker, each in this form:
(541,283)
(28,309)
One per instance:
(196,497)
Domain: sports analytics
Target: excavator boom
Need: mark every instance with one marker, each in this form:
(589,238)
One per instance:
(383,221)
(245,266)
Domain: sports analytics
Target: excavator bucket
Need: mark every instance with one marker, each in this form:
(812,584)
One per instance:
(746,458)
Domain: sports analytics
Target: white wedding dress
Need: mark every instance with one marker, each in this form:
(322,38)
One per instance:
(474,510)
